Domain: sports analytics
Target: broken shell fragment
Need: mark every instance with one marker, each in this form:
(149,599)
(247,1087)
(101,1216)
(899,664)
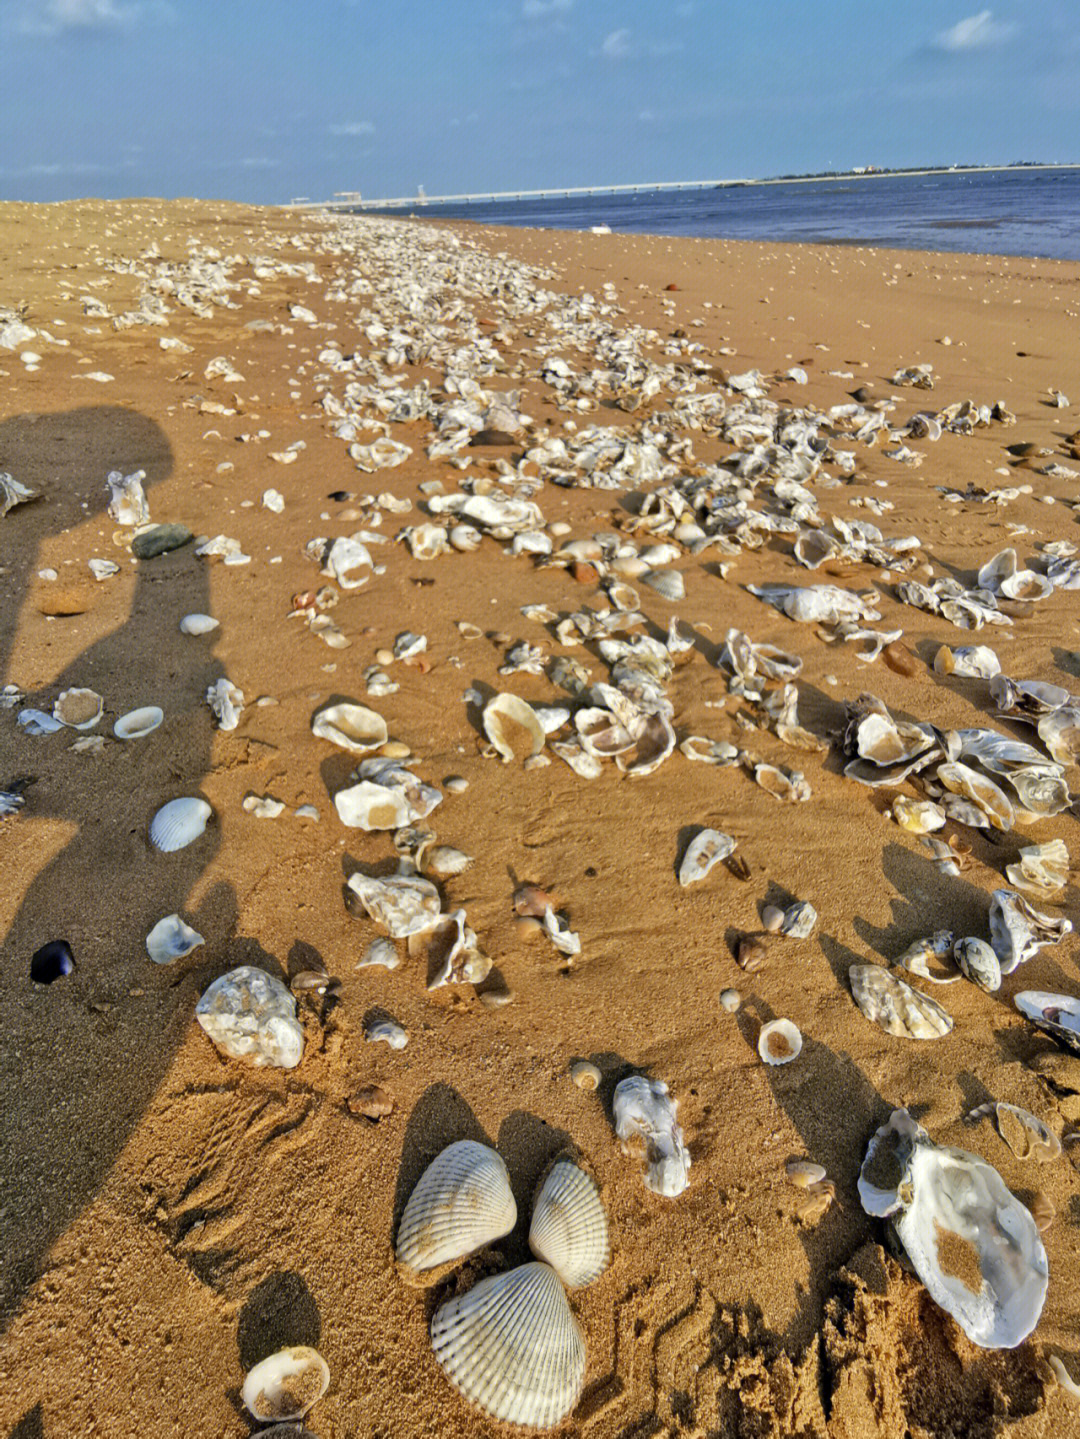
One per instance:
(917,816)
(645,1123)
(779,1042)
(1057,1015)
(894,1006)
(370,1102)
(569,1228)
(1042,871)
(799,920)
(705,850)
(513,727)
(1018,930)
(171,939)
(385,1031)
(1027,1136)
(79,709)
(226,703)
(380,952)
(815,1202)
(462,1202)
(751,953)
(352,727)
(287,1384)
(403,904)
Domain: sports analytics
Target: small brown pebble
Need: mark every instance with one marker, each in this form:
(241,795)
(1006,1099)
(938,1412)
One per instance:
(750,954)
(672,286)
(772,917)
(395,749)
(584,573)
(527,927)
(371,1102)
(900,659)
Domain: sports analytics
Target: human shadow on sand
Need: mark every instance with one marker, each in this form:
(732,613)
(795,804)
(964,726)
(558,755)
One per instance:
(82,1057)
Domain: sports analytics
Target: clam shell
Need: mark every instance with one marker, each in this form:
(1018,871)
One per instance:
(350,726)
(779,1042)
(512,727)
(569,1227)
(171,939)
(511,1346)
(179,823)
(286,1384)
(198,624)
(461,1203)
(136,724)
(705,850)
(79,709)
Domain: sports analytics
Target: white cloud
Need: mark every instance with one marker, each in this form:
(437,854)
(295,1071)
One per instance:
(647,116)
(353,127)
(59,17)
(542,9)
(617,45)
(975,33)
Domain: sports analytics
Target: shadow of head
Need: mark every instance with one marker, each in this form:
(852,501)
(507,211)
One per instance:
(278,1313)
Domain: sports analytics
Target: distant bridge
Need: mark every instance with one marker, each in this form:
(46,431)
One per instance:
(411,202)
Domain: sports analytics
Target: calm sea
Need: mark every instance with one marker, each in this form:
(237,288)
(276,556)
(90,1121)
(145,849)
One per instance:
(999,212)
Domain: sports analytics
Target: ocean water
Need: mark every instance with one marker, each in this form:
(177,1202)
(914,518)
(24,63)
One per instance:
(998,212)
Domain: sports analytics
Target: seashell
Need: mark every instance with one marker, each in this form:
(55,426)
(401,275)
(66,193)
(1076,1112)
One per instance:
(510,1346)
(453,957)
(799,920)
(1042,791)
(350,726)
(1026,1136)
(513,727)
(1057,1015)
(345,559)
(250,1015)
(371,806)
(127,503)
(566,940)
(370,1102)
(79,709)
(137,724)
(708,751)
(1018,930)
(814,546)
(917,816)
(791,787)
(385,1031)
(179,823)
(1027,699)
(51,962)
(585,1075)
(1043,1212)
(885,741)
(645,1123)
(13,492)
(461,1203)
(600,732)
(465,538)
(772,917)
(779,1042)
(569,1228)
(751,953)
(980,790)
(1043,869)
(894,1006)
(1026,585)
(427,542)
(918,955)
(37,722)
(171,939)
(804,1173)
(816,1202)
(226,703)
(974,1246)
(978,962)
(655,741)
(1001,567)
(287,1384)
(668,584)
(379,952)
(444,859)
(730,1000)
(403,904)
(705,850)
(196,624)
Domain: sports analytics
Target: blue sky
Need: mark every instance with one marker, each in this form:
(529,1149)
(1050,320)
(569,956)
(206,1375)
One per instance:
(264,100)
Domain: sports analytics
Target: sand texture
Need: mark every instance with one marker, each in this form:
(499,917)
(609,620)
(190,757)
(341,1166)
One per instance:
(170,1216)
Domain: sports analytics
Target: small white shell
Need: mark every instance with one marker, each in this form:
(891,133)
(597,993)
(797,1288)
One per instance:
(286,1384)
(198,624)
(179,823)
(668,584)
(462,1202)
(445,859)
(569,1227)
(705,850)
(350,726)
(779,1042)
(136,724)
(79,709)
(511,1346)
(382,952)
(171,939)
(512,725)
(386,1031)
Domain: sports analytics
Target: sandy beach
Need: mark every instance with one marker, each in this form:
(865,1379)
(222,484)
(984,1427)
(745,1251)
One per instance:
(168,1215)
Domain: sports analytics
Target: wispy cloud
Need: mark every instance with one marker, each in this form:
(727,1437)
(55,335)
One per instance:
(545,9)
(46,18)
(616,46)
(62,167)
(977,32)
(353,127)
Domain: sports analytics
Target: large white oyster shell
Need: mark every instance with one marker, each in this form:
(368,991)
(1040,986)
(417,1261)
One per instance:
(251,1015)
(895,1006)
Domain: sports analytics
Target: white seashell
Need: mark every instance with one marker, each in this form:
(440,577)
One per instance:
(103,569)
(974,1246)
(380,952)
(978,962)
(917,957)
(382,454)
(171,939)
(403,904)
(917,816)
(1042,792)
(1060,733)
(779,1042)
(427,542)
(569,1228)
(286,1384)
(444,859)
(136,724)
(273,499)
(453,957)
(461,1203)
(895,1006)
(344,560)
(198,624)
(585,1074)
(251,1015)
(511,1346)
(645,1124)
(512,727)
(1025,1134)
(226,703)
(351,726)
(465,538)
(668,584)
(179,823)
(127,504)
(386,1031)
(1057,1015)
(1043,869)
(799,920)
(705,850)
(981,791)
(373,806)
(1018,930)
(79,709)
(263,806)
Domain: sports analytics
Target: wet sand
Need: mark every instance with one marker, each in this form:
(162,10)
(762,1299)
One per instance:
(168,1216)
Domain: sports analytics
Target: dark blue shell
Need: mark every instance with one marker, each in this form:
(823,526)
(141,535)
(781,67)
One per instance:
(51,961)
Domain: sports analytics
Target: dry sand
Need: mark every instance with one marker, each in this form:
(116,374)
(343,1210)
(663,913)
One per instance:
(168,1216)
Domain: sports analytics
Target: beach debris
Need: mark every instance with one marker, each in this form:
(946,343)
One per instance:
(453,956)
(79,709)
(226,703)
(137,724)
(385,1031)
(263,806)
(352,727)
(974,1246)
(706,849)
(512,727)
(462,1202)
(557,929)
(799,920)
(978,962)
(444,859)
(160,540)
(179,823)
(287,1384)
(370,1101)
(196,624)
(403,904)
(646,1128)
(251,1015)
(585,1075)
(1027,1136)
(569,1228)
(127,503)
(51,962)
(102,569)
(1018,930)
(779,1042)
(13,493)
(274,500)
(894,1006)
(511,1346)
(1057,1015)
(931,949)
(386,795)
(171,939)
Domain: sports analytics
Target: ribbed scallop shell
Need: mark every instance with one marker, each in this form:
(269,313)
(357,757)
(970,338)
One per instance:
(179,823)
(462,1202)
(511,1346)
(569,1227)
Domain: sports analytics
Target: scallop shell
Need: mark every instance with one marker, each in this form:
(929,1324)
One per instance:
(171,939)
(512,725)
(350,726)
(198,624)
(705,850)
(286,1384)
(779,1042)
(79,709)
(136,724)
(569,1227)
(511,1346)
(179,823)
(668,584)
(461,1203)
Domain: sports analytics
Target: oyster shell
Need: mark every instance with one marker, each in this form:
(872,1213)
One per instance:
(1027,1136)
(1042,791)
(1057,1015)
(403,904)
(350,726)
(705,850)
(1042,871)
(569,1228)
(974,1246)
(970,661)
(919,955)
(917,816)
(980,790)
(1018,930)
(462,1202)
(893,1005)
(226,703)
(645,1125)
(1060,733)
(513,727)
